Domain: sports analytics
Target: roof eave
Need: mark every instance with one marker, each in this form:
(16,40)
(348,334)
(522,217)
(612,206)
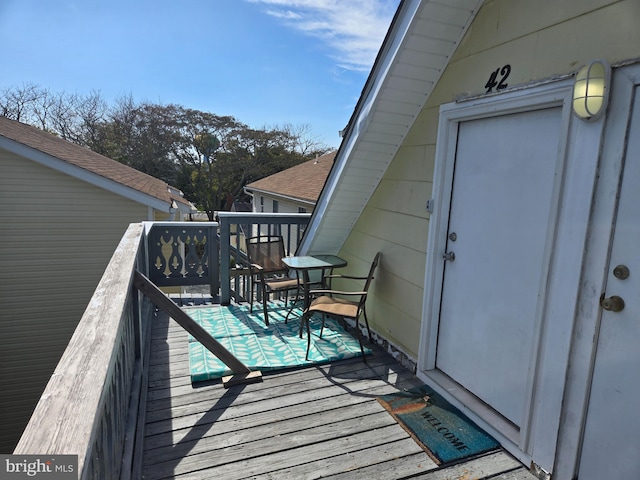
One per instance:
(82,174)
(410,12)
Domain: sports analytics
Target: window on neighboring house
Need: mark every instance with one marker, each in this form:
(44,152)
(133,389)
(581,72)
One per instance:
(261,204)
(301,228)
(275,206)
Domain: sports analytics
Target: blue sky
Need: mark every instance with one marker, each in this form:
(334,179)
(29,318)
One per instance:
(265,62)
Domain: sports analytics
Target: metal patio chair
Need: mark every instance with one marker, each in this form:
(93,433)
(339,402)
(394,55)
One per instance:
(328,304)
(268,272)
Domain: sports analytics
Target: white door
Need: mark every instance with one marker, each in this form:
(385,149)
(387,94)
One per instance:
(500,229)
(612,432)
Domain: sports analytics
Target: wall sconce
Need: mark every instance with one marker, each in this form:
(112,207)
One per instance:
(591,90)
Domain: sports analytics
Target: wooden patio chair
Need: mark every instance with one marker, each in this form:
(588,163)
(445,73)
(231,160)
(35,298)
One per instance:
(268,272)
(328,304)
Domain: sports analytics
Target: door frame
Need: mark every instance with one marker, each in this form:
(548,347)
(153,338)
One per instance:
(579,146)
(624,85)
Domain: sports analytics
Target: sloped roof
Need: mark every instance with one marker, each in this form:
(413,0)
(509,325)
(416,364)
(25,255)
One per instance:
(90,166)
(302,182)
(422,39)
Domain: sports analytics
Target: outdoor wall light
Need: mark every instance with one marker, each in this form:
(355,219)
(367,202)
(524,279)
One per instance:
(591,90)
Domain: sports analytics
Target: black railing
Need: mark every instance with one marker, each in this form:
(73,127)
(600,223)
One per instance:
(183,253)
(235,228)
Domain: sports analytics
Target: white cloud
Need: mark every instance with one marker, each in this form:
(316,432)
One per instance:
(352,29)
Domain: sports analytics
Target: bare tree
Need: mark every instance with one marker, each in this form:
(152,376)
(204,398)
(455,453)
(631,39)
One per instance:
(304,141)
(18,103)
(41,109)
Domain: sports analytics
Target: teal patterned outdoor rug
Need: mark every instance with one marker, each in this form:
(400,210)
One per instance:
(442,430)
(262,347)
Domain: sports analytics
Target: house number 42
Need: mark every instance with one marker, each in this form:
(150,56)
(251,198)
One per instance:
(498,79)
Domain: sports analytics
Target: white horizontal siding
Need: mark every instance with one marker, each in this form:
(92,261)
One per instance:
(369,159)
(57,236)
(438,46)
(453,12)
(403,96)
(377,127)
(285,205)
(432,60)
(434,28)
(360,183)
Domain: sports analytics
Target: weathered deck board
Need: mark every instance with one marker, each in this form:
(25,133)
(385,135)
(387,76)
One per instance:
(315,422)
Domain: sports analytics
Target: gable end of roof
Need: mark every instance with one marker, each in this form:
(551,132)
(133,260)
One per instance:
(421,40)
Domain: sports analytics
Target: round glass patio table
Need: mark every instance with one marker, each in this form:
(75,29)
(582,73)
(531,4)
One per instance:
(306,263)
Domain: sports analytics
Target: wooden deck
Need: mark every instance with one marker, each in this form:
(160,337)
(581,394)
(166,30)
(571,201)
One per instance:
(316,422)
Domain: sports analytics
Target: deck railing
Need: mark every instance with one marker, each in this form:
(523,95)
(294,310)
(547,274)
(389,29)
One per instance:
(96,392)
(184,253)
(94,403)
(235,228)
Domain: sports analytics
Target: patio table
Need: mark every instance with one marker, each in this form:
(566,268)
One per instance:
(306,263)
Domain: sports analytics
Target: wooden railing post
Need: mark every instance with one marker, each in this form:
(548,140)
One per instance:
(214,259)
(225,259)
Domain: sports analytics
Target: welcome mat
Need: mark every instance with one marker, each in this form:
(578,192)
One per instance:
(444,432)
(262,347)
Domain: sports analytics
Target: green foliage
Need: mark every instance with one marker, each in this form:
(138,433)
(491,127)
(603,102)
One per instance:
(209,157)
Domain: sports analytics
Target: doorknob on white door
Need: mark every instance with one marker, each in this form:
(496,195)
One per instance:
(449,256)
(621,272)
(613,303)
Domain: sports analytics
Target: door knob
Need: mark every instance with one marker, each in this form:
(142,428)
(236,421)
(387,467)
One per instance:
(449,256)
(621,272)
(612,304)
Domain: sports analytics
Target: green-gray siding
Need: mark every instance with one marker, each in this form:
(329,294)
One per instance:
(56,238)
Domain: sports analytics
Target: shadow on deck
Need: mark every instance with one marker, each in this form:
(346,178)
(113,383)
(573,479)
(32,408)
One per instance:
(314,422)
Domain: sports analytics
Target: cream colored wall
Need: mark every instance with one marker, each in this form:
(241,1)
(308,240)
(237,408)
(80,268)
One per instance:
(284,206)
(540,40)
(57,234)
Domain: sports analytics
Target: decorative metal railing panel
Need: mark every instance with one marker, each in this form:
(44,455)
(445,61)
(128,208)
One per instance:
(183,253)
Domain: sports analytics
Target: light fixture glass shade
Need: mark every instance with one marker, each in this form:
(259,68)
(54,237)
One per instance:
(590,90)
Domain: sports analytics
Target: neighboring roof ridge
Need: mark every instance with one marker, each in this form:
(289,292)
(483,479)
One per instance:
(87,159)
(302,182)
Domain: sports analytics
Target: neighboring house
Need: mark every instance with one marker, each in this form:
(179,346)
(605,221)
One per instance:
(64,211)
(508,225)
(294,190)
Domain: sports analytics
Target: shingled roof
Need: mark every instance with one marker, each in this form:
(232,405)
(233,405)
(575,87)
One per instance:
(91,162)
(304,182)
